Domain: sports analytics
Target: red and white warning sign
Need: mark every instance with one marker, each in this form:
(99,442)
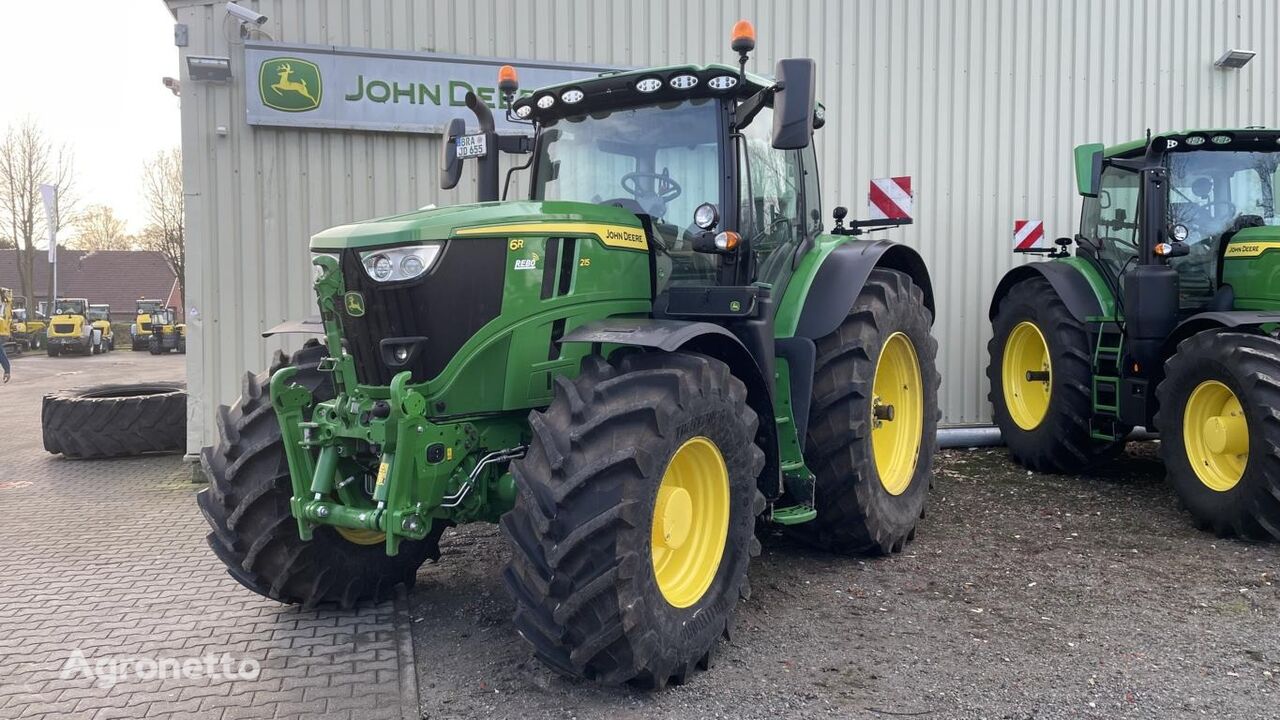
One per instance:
(1028,235)
(889,199)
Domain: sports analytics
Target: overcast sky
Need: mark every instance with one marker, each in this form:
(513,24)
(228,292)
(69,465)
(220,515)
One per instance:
(89,72)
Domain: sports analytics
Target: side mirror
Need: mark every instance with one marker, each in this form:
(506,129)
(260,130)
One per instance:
(450,164)
(793,103)
(1089,169)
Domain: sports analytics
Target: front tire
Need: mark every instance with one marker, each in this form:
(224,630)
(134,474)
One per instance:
(634,521)
(1044,422)
(254,532)
(1219,434)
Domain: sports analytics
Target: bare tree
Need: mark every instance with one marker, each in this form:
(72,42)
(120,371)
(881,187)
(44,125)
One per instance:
(28,159)
(98,228)
(165,231)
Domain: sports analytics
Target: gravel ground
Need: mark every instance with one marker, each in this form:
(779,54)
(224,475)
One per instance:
(1024,596)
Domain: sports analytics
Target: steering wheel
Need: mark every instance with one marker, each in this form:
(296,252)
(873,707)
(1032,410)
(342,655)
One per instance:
(1208,208)
(667,188)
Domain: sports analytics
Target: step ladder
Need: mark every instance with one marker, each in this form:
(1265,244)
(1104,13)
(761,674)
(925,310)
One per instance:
(1107,371)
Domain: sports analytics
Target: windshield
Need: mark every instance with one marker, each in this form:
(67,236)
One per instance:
(99,313)
(146,308)
(1214,194)
(19,314)
(661,161)
(69,307)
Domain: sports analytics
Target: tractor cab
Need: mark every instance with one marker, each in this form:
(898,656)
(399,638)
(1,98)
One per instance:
(1209,214)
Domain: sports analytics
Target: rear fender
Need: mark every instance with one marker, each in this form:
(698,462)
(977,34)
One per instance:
(707,339)
(1082,298)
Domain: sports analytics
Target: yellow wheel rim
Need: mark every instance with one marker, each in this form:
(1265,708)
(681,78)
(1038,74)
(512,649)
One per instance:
(897,414)
(1216,435)
(1026,376)
(362,537)
(690,522)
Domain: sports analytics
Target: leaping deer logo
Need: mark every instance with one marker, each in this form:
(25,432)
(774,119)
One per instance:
(290,84)
(284,70)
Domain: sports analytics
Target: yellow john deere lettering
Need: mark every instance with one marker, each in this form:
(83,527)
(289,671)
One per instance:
(1251,249)
(619,236)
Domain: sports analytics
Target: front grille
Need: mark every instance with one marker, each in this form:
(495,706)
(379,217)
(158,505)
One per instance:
(64,328)
(461,292)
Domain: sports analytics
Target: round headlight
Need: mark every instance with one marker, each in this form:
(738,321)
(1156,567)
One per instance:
(722,82)
(546,101)
(1179,232)
(523,111)
(683,82)
(648,85)
(411,266)
(381,266)
(1195,140)
(706,216)
(572,96)
(402,353)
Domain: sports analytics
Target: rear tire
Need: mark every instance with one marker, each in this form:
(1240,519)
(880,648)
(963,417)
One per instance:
(106,421)
(857,511)
(1059,442)
(254,532)
(1240,502)
(583,535)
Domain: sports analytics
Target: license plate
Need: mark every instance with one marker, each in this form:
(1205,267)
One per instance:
(472,146)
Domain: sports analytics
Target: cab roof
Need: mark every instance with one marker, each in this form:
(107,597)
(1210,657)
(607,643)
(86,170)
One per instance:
(1246,134)
(621,89)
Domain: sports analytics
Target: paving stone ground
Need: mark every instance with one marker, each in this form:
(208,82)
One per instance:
(108,559)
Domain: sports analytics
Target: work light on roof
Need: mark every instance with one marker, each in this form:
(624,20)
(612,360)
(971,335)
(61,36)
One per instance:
(523,111)
(546,101)
(1195,140)
(722,82)
(1220,139)
(683,82)
(648,85)
(572,96)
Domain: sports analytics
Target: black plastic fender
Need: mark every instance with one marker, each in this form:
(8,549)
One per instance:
(1071,286)
(708,339)
(834,289)
(842,275)
(1225,319)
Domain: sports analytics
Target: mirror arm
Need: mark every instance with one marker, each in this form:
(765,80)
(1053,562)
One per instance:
(749,108)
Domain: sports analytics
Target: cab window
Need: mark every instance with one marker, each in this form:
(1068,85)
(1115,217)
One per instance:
(1110,221)
(769,216)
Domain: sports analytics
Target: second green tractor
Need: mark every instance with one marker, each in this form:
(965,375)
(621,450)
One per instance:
(1167,316)
(657,350)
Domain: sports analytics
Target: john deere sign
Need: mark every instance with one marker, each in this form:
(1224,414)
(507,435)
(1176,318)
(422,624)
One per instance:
(357,89)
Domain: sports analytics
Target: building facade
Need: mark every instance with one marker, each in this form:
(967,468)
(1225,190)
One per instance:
(979,101)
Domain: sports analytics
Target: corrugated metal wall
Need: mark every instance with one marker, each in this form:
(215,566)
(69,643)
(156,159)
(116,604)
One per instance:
(979,100)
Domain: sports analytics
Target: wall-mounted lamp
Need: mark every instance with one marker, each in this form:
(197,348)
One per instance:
(209,68)
(1234,59)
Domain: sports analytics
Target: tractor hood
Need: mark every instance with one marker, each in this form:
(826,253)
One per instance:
(449,222)
(1251,266)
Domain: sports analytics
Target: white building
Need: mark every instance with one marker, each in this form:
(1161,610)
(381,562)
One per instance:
(979,101)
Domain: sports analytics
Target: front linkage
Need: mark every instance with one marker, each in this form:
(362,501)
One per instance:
(426,472)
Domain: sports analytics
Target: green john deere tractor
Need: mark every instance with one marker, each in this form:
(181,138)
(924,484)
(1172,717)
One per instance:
(1165,317)
(656,350)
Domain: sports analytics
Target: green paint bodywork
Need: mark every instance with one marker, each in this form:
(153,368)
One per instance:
(1255,280)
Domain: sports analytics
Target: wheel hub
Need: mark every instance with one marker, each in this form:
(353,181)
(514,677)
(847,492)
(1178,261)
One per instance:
(897,414)
(690,522)
(1027,376)
(1216,435)
(675,514)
